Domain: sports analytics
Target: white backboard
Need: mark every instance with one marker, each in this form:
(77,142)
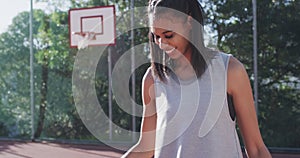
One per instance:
(94,26)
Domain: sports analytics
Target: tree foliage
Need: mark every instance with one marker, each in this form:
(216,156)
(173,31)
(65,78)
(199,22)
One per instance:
(230,22)
(278,59)
(14,104)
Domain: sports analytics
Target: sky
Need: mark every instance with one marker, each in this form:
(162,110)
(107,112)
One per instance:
(11,8)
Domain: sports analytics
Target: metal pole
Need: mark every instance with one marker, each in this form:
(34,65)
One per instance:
(31,71)
(132,70)
(255,53)
(109,94)
(109,91)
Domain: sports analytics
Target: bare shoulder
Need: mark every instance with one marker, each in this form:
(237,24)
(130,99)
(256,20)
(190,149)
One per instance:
(236,75)
(235,66)
(148,77)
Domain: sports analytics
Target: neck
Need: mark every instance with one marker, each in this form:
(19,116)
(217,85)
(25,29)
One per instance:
(183,65)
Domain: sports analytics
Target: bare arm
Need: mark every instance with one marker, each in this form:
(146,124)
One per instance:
(239,87)
(145,146)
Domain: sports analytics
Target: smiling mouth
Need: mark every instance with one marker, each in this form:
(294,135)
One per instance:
(170,51)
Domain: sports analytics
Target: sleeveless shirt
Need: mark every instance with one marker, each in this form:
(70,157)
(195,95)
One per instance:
(193,119)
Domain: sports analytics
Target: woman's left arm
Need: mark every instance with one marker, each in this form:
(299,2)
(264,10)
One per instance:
(239,87)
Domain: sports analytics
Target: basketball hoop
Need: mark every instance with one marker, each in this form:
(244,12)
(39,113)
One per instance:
(92,26)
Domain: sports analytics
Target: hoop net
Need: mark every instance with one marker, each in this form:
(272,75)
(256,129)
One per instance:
(84,38)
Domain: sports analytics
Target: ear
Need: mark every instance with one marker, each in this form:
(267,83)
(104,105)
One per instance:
(189,22)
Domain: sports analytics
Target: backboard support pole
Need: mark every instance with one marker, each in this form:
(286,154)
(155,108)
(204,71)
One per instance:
(110,94)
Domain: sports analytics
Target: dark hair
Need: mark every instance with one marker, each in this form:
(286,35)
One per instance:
(159,62)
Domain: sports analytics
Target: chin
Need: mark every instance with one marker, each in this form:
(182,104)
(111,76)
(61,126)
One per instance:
(174,55)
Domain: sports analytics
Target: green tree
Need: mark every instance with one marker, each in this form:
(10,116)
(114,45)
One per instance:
(14,52)
(53,69)
(56,60)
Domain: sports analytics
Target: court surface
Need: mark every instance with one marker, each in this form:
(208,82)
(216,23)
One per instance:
(22,149)
(27,149)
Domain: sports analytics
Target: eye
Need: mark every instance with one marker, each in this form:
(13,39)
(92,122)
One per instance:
(169,36)
(157,37)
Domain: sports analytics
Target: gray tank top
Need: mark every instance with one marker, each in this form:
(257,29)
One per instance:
(193,119)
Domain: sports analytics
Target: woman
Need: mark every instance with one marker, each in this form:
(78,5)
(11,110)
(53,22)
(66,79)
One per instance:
(193,95)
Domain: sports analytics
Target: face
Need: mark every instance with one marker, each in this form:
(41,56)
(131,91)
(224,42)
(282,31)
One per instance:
(172,35)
